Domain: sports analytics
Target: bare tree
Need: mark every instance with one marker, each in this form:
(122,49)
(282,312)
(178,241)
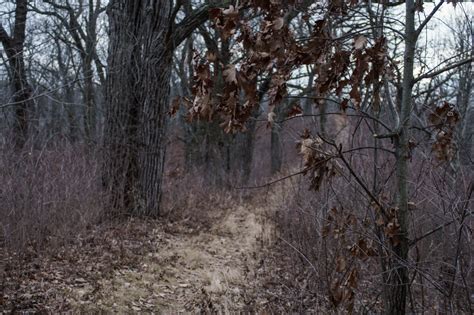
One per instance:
(14,46)
(81,21)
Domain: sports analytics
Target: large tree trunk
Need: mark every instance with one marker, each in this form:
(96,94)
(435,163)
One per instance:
(137,93)
(14,46)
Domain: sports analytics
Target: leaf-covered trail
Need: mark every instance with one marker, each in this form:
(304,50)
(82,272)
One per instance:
(209,270)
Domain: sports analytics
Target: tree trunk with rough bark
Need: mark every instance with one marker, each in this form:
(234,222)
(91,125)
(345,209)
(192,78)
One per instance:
(14,46)
(142,39)
(137,94)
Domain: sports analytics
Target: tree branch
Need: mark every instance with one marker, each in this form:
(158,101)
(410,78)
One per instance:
(188,25)
(353,173)
(278,179)
(447,68)
(4,38)
(464,215)
(428,18)
(391,4)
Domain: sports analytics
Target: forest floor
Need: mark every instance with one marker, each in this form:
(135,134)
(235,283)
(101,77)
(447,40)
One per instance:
(224,265)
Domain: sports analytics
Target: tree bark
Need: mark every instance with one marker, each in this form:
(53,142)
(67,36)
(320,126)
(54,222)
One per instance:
(142,39)
(137,94)
(397,278)
(14,46)
(276,149)
(243,148)
(463,101)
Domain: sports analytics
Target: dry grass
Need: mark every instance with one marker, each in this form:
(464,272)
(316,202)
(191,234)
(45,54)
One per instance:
(47,194)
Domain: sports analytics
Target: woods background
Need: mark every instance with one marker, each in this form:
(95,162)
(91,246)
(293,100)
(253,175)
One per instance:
(112,109)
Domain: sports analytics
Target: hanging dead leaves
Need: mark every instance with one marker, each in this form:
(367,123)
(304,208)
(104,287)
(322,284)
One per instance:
(387,220)
(444,119)
(295,110)
(234,101)
(370,65)
(319,162)
(351,251)
(268,48)
(201,106)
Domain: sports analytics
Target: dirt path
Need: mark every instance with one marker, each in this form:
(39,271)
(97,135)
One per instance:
(211,270)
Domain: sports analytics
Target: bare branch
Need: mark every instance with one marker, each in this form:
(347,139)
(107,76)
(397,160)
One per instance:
(356,177)
(436,229)
(387,135)
(188,25)
(447,68)
(428,18)
(277,180)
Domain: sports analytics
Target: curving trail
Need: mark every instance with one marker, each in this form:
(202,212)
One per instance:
(212,270)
